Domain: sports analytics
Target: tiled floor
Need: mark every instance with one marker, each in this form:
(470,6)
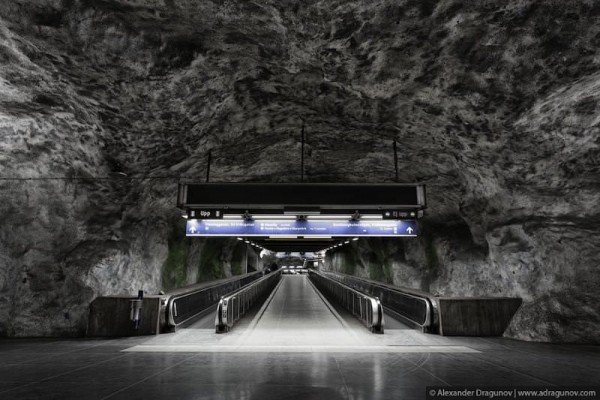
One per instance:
(231,366)
(99,369)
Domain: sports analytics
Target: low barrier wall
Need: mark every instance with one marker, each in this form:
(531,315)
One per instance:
(476,316)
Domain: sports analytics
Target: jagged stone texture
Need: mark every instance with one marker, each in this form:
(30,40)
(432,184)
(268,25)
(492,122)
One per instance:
(494,105)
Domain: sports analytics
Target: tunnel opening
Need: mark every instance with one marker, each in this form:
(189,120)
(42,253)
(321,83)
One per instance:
(292,229)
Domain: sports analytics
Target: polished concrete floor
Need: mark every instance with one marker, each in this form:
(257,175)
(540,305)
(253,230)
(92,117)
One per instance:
(263,358)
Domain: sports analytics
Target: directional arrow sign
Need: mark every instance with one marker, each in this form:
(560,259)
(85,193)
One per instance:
(409,230)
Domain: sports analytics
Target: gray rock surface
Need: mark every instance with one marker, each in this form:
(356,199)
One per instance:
(494,105)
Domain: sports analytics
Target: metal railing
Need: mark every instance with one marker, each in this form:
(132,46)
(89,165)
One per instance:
(233,306)
(411,306)
(367,309)
(181,305)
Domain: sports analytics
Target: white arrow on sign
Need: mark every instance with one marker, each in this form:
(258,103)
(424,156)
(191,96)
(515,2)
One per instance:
(409,230)
(193,229)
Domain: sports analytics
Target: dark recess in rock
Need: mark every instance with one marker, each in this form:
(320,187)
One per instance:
(49,17)
(586,106)
(47,100)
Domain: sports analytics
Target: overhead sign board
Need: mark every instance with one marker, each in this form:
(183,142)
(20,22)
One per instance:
(301,196)
(209,213)
(308,228)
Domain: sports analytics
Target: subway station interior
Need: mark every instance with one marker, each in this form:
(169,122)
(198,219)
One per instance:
(260,199)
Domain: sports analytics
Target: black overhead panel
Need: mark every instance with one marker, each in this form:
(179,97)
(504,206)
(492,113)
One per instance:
(301,197)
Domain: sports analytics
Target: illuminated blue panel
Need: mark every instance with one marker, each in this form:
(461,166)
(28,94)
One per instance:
(307,228)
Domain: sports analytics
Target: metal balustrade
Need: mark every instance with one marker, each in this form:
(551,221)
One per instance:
(411,306)
(181,305)
(235,305)
(367,309)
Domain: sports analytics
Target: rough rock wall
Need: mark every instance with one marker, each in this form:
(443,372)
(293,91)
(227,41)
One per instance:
(195,260)
(494,105)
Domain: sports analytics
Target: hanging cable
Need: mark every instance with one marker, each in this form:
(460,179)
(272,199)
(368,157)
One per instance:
(302,156)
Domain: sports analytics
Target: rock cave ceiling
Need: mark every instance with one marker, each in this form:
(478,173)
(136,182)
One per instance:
(493,101)
(106,104)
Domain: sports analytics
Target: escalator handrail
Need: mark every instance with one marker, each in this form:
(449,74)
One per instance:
(223,320)
(429,301)
(376,324)
(181,293)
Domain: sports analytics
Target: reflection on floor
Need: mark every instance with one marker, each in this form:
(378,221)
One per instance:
(100,369)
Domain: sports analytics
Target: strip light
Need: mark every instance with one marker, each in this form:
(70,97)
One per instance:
(293,217)
(343,217)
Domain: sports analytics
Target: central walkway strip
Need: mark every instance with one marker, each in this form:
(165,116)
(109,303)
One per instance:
(298,316)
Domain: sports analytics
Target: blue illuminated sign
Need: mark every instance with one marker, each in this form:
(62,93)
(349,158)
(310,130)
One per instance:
(308,228)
